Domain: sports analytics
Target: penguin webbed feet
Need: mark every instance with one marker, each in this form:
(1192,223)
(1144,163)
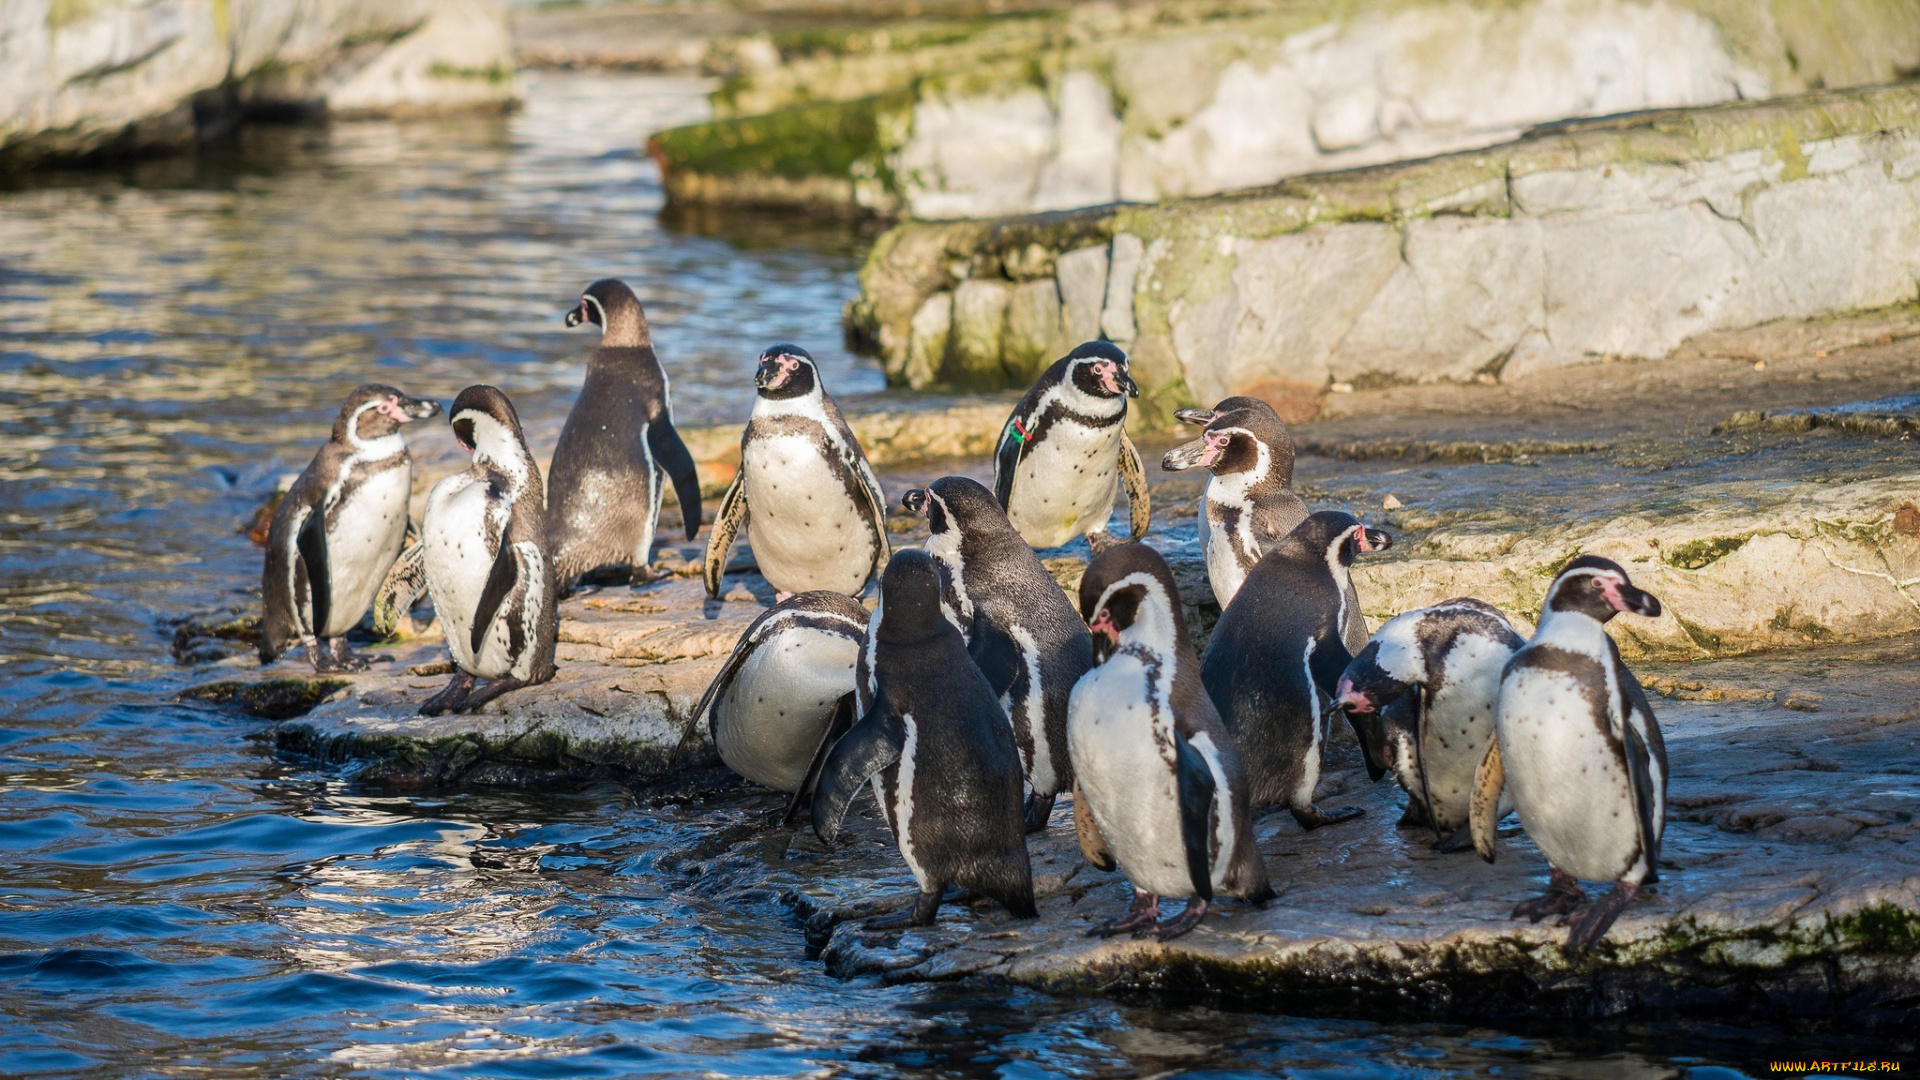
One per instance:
(1039,809)
(451,696)
(1586,927)
(1562,896)
(331,656)
(1460,839)
(1197,908)
(1144,912)
(926,907)
(1312,817)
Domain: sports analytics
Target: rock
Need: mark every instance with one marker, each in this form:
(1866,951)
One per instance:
(979,327)
(116,76)
(1052,111)
(1082,280)
(1621,238)
(1033,338)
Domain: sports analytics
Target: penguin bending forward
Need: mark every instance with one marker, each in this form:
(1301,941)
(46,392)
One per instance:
(938,750)
(338,530)
(1155,765)
(1581,753)
(1277,654)
(1020,627)
(488,571)
(787,692)
(813,509)
(1421,698)
(1065,450)
(617,447)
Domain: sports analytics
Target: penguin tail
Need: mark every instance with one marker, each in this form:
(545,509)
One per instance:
(1009,879)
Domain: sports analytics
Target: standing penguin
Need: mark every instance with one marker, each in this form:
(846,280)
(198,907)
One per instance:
(815,515)
(937,747)
(485,540)
(339,529)
(1580,752)
(787,691)
(1155,765)
(1277,654)
(1421,699)
(616,448)
(1065,449)
(1020,627)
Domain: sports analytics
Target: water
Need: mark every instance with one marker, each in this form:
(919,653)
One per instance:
(178,899)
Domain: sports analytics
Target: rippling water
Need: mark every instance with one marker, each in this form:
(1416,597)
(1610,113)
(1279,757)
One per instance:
(176,899)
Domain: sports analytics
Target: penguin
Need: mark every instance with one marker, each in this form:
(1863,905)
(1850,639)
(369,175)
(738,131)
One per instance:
(1421,698)
(1064,451)
(813,509)
(617,448)
(338,529)
(1155,765)
(488,570)
(1276,658)
(1021,628)
(1581,753)
(787,692)
(937,748)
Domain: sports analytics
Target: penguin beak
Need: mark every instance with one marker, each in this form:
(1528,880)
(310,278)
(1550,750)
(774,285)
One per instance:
(1119,381)
(419,408)
(1106,637)
(915,501)
(1626,597)
(1186,456)
(1373,539)
(577,315)
(771,374)
(1349,700)
(1202,417)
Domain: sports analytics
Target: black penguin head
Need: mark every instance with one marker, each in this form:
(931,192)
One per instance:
(909,608)
(1338,535)
(786,371)
(1598,588)
(373,411)
(486,425)
(610,305)
(1128,593)
(1243,434)
(1367,685)
(1099,368)
(957,504)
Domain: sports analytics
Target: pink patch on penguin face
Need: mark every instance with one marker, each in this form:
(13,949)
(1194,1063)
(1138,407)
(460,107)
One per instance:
(1217,442)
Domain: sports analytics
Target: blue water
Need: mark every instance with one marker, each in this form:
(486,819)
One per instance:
(176,899)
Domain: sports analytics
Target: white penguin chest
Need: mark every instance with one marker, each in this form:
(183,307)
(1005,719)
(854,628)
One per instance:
(1568,783)
(1124,763)
(460,519)
(1066,483)
(363,539)
(1459,721)
(805,527)
(1226,535)
(772,717)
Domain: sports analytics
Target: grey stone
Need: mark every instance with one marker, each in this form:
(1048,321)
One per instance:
(1082,278)
(979,327)
(1032,337)
(927,340)
(1116,317)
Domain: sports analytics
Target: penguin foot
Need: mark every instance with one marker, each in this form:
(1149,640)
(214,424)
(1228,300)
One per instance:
(1589,925)
(450,696)
(493,689)
(1413,817)
(1313,817)
(926,906)
(1183,922)
(1562,896)
(1144,910)
(1039,809)
(643,576)
(1460,839)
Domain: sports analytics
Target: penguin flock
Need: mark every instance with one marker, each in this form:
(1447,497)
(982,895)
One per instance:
(976,691)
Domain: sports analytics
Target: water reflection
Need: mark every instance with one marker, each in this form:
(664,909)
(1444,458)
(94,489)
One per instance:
(175,333)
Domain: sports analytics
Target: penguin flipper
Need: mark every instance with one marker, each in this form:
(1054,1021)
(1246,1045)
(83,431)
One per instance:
(995,652)
(1196,787)
(726,525)
(837,725)
(741,650)
(403,585)
(1484,814)
(1369,730)
(1640,779)
(1093,843)
(1420,760)
(672,456)
(1006,458)
(501,580)
(1134,474)
(871,745)
(312,545)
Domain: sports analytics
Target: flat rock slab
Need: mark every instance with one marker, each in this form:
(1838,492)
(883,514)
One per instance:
(1790,885)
